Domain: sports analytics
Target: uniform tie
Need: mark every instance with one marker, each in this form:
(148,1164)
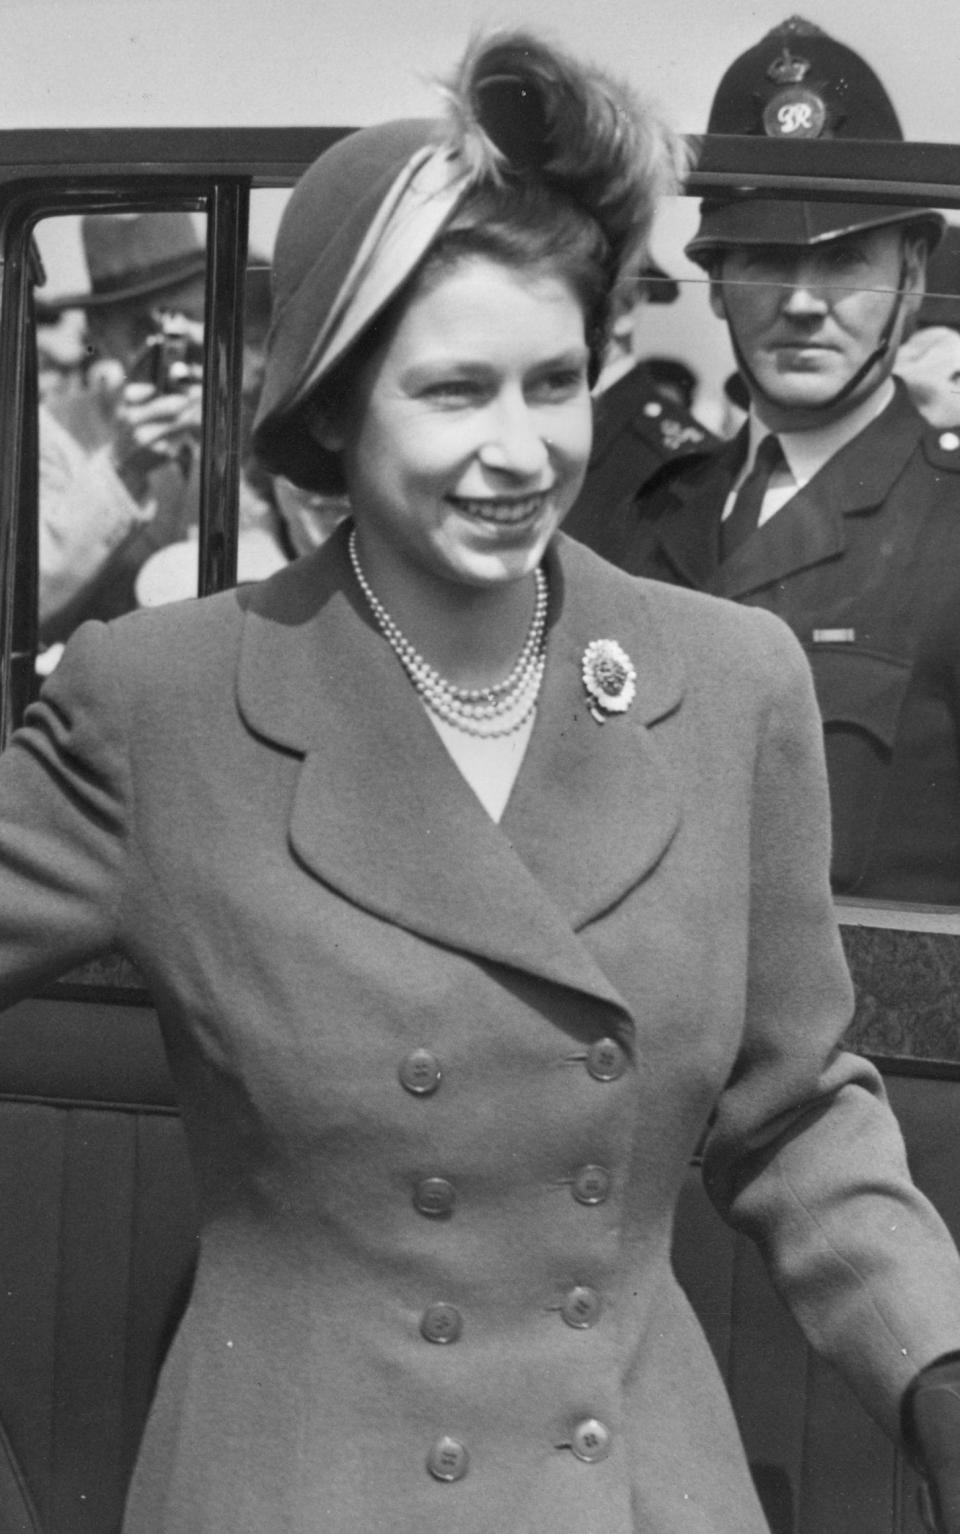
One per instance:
(745,514)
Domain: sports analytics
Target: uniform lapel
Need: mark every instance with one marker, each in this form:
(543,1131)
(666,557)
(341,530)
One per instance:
(383,815)
(811,527)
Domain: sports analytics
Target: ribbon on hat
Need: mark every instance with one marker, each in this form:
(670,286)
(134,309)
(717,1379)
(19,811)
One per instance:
(418,204)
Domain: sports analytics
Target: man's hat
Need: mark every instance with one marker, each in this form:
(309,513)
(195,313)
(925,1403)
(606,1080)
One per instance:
(134,255)
(797,83)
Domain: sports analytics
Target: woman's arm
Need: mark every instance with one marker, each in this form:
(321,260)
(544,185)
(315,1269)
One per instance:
(805,1154)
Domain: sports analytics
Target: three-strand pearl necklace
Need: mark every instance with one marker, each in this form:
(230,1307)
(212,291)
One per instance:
(485,711)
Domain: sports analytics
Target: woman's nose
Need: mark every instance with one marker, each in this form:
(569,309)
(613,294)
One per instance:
(515,443)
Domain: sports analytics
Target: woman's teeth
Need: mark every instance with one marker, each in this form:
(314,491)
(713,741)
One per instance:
(505,512)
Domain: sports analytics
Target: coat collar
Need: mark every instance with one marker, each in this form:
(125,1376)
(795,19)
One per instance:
(809,530)
(383,815)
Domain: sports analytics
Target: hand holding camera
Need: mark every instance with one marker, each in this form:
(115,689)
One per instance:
(158,412)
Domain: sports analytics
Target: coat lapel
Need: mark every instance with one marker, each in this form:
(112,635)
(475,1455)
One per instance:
(383,815)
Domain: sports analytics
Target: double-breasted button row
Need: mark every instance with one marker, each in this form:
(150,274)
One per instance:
(441,1323)
(449,1460)
(421,1073)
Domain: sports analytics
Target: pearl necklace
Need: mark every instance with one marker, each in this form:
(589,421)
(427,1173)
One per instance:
(485,711)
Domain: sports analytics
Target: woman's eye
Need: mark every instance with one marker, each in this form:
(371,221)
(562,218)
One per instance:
(453,390)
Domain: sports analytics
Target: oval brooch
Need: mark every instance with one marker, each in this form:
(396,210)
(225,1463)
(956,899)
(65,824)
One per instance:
(609,678)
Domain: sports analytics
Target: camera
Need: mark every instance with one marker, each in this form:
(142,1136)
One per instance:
(171,358)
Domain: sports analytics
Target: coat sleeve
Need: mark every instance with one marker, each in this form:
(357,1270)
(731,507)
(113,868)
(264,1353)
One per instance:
(64,820)
(804,1154)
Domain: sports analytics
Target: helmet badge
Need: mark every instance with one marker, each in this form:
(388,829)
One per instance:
(794,111)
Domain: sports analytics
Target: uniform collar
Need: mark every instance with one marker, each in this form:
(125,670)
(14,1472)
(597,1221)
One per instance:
(806,452)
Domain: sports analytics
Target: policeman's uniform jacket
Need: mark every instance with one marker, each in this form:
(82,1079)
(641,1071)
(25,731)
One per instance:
(863,563)
(637,429)
(442,1078)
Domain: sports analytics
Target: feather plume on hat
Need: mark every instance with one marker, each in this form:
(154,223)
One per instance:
(518,105)
(366,215)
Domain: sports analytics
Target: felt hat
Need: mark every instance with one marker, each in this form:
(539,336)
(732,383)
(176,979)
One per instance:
(135,255)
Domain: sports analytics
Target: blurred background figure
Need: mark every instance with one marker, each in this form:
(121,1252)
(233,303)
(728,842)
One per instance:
(120,439)
(642,415)
(929,362)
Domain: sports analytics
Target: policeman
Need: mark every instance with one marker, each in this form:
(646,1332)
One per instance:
(848,524)
(639,424)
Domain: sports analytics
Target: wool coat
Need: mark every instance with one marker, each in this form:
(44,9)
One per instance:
(442,1078)
(863,563)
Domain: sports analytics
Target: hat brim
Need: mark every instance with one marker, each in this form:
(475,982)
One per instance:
(378,160)
(158,282)
(753,221)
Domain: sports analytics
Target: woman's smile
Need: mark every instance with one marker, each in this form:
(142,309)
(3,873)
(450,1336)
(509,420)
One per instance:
(502,511)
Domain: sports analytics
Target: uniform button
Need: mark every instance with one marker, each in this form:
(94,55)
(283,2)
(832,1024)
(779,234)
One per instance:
(441,1323)
(653,408)
(435,1196)
(950,441)
(448,1460)
(591,1441)
(591,1185)
(581,1307)
(606,1061)
(420,1072)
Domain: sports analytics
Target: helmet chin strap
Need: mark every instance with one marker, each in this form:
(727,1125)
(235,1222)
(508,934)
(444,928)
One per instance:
(876,356)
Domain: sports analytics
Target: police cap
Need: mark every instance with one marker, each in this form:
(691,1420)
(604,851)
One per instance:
(796,83)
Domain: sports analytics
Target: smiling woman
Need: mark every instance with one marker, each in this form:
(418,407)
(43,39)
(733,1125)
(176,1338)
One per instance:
(478,885)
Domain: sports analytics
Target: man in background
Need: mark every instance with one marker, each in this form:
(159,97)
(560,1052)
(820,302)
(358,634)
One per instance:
(837,506)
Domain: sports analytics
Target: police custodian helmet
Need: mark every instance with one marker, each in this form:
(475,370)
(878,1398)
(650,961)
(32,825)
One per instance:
(798,82)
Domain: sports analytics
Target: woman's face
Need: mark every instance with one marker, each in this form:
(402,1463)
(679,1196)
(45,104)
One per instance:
(466,436)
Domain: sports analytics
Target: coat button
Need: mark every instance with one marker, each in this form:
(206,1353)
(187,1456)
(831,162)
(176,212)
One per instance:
(435,1196)
(448,1460)
(949,441)
(581,1307)
(420,1072)
(591,1185)
(591,1441)
(606,1061)
(441,1323)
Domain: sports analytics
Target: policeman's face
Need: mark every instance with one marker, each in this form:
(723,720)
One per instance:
(806,319)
